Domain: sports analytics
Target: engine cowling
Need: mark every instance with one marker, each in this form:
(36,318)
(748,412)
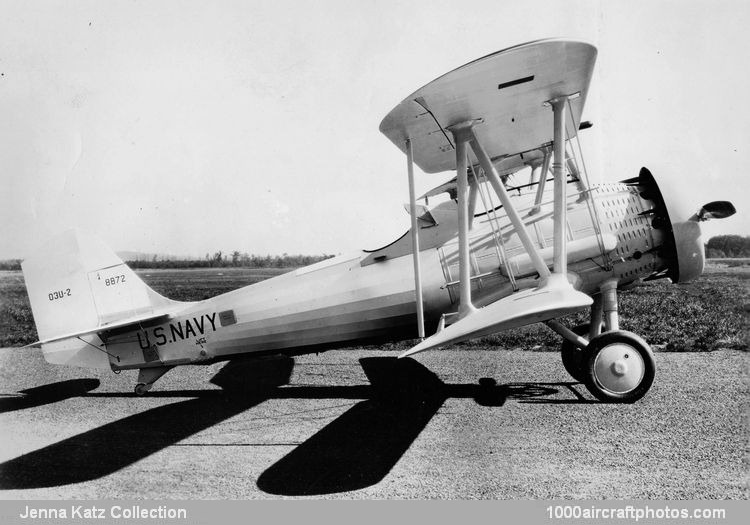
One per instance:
(683,249)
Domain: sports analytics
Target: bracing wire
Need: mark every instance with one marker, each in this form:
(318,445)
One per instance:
(588,193)
(496,234)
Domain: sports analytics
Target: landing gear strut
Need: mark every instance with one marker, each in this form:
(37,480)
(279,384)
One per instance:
(573,356)
(615,365)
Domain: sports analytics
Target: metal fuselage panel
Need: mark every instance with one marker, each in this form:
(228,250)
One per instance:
(351,299)
(327,304)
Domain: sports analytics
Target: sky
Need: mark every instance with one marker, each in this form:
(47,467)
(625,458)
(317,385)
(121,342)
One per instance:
(185,128)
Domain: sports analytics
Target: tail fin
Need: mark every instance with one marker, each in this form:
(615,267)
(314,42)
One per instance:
(77,286)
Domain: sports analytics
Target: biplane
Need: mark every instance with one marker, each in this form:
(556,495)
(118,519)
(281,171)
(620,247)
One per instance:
(519,237)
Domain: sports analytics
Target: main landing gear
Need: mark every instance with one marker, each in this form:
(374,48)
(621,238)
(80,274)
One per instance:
(615,365)
(619,367)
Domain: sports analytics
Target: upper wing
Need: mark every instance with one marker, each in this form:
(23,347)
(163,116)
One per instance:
(505,93)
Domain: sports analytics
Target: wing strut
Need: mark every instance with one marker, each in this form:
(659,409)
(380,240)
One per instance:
(464,264)
(542,182)
(559,216)
(491,173)
(554,296)
(415,239)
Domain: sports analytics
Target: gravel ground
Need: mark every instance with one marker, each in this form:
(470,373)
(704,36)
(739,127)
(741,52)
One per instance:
(356,423)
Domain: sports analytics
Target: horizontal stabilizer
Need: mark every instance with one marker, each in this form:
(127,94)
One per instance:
(141,320)
(556,299)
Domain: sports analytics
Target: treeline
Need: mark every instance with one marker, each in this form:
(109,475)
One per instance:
(217,260)
(235,259)
(10,264)
(719,247)
(728,246)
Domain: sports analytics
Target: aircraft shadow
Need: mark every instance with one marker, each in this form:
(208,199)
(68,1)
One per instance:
(360,447)
(579,398)
(46,394)
(356,450)
(116,445)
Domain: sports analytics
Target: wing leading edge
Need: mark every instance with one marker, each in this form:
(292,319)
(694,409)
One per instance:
(504,93)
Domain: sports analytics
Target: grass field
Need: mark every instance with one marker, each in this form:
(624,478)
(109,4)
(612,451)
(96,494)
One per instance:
(707,314)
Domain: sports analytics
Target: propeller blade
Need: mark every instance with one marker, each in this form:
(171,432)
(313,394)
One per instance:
(716,210)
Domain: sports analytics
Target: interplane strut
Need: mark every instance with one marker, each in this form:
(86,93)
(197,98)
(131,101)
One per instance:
(554,296)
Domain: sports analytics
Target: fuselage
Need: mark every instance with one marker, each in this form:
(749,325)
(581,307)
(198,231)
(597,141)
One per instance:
(369,296)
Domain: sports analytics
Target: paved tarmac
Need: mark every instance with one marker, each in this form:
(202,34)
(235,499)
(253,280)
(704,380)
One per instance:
(460,423)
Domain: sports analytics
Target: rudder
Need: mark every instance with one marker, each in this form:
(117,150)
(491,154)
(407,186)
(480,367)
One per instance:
(76,284)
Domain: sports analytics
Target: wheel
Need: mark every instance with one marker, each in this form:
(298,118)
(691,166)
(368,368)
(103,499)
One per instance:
(619,367)
(142,388)
(574,358)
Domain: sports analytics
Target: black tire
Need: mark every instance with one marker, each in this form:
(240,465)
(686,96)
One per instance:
(619,368)
(574,358)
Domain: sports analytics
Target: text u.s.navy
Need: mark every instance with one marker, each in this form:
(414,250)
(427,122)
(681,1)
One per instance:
(103,512)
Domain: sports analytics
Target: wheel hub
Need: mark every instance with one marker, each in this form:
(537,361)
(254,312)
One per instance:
(619,368)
